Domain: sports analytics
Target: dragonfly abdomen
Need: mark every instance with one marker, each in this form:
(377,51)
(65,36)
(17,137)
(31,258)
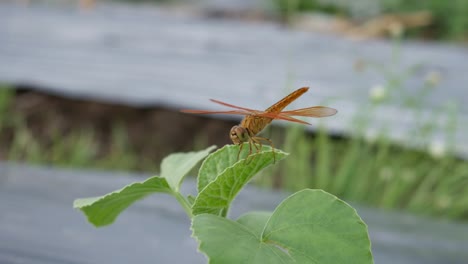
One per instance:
(281,104)
(255,124)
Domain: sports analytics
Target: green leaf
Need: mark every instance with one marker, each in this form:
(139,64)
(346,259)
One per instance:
(103,210)
(310,226)
(317,227)
(216,163)
(226,241)
(222,159)
(217,195)
(175,166)
(255,221)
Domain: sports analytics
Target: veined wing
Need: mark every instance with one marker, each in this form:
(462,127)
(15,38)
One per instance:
(230,112)
(234,106)
(245,113)
(241,111)
(280,116)
(315,111)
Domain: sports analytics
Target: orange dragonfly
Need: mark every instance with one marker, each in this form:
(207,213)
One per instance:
(255,120)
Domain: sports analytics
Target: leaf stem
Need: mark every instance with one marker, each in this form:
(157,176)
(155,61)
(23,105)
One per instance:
(185,204)
(224,212)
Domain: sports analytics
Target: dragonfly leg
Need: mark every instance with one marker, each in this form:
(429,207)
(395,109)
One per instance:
(240,150)
(258,139)
(255,142)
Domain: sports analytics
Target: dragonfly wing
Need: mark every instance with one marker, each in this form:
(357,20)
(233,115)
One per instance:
(233,106)
(315,111)
(231,112)
(280,116)
(240,111)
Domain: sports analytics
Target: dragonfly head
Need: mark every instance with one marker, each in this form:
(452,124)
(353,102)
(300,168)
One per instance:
(239,135)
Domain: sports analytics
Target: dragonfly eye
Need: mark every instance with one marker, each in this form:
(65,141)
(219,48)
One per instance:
(236,135)
(239,135)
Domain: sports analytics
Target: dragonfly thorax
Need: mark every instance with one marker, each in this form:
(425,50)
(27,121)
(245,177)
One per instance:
(239,135)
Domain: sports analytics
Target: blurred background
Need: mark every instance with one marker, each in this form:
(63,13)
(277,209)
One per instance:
(98,85)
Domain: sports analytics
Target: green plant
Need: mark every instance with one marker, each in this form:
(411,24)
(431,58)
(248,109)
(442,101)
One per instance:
(310,226)
(120,154)
(23,146)
(6,97)
(450,19)
(288,8)
(373,170)
(77,149)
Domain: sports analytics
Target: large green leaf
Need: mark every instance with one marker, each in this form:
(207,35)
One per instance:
(219,192)
(175,166)
(310,226)
(255,221)
(103,210)
(225,241)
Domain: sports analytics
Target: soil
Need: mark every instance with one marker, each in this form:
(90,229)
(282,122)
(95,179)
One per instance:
(152,132)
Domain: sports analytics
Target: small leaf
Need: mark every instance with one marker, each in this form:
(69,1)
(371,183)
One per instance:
(226,241)
(175,166)
(220,160)
(216,197)
(103,210)
(310,226)
(217,162)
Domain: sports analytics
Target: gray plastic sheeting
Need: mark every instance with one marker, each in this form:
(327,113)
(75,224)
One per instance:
(143,55)
(39,225)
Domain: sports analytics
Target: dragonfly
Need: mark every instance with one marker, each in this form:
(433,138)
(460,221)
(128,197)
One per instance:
(256,120)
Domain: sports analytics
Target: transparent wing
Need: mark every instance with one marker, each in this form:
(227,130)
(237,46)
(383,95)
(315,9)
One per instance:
(315,111)
(230,112)
(233,106)
(280,116)
(240,111)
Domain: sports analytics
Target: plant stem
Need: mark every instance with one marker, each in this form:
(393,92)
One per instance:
(185,204)
(224,212)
